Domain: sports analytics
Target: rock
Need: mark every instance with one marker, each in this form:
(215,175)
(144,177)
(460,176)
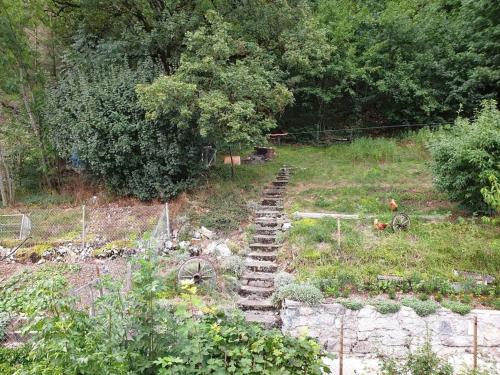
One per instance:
(223,250)
(184,245)
(197,235)
(41,261)
(207,233)
(286,226)
(218,248)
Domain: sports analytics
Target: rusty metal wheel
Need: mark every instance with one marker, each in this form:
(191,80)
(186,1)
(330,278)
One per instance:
(199,271)
(400,222)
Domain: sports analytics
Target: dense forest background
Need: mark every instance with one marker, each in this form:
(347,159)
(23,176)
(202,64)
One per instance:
(129,91)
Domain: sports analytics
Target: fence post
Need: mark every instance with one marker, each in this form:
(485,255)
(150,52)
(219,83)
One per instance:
(83,227)
(22,227)
(474,349)
(338,233)
(341,349)
(167,216)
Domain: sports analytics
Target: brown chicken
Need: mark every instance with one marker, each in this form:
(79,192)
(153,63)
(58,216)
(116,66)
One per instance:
(379,226)
(393,205)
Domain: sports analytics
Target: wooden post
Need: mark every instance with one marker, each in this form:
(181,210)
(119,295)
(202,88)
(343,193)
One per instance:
(232,162)
(338,233)
(167,218)
(92,306)
(474,349)
(98,272)
(21,229)
(128,280)
(341,348)
(83,227)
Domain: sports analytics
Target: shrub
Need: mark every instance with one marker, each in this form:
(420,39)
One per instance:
(422,308)
(465,158)
(423,361)
(234,265)
(306,293)
(283,278)
(352,304)
(457,307)
(386,307)
(95,120)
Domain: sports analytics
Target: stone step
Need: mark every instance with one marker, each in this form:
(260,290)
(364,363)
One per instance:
(247,290)
(261,266)
(271,201)
(264,246)
(264,238)
(255,304)
(268,319)
(280,183)
(263,255)
(261,276)
(268,213)
(266,230)
(269,208)
(267,221)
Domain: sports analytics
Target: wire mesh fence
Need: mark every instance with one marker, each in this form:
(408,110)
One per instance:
(84,226)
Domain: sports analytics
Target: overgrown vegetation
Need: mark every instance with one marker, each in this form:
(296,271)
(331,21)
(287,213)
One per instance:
(221,73)
(422,361)
(466,159)
(137,334)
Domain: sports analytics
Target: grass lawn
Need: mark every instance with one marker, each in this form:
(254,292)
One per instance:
(360,178)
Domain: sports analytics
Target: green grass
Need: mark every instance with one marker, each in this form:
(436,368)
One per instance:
(429,249)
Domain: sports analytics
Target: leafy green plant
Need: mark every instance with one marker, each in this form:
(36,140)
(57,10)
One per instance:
(4,321)
(234,265)
(386,307)
(422,361)
(457,307)
(465,158)
(351,304)
(306,293)
(422,308)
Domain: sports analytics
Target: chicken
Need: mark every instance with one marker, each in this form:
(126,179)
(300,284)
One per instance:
(393,205)
(379,226)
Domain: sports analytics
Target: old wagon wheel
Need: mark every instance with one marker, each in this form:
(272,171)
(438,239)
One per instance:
(198,271)
(400,222)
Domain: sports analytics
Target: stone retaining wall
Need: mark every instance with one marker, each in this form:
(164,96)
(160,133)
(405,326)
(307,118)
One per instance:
(369,333)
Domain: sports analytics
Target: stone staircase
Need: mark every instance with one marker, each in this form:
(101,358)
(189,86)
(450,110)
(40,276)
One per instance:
(257,282)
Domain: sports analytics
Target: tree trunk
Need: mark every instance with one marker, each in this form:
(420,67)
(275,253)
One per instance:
(232,162)
(6,181)
(3,190)
(28,99)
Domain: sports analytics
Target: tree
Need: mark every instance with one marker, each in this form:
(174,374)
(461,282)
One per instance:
(226,88)
(21,77)
(95,119)
(466,159)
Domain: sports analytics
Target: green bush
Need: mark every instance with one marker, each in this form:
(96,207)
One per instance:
(283,278)
(95,121)
(466,157)
(422,362)
(422,308)
(457,307)
(352,304)
(234,265)
(297,292)
(386,307)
